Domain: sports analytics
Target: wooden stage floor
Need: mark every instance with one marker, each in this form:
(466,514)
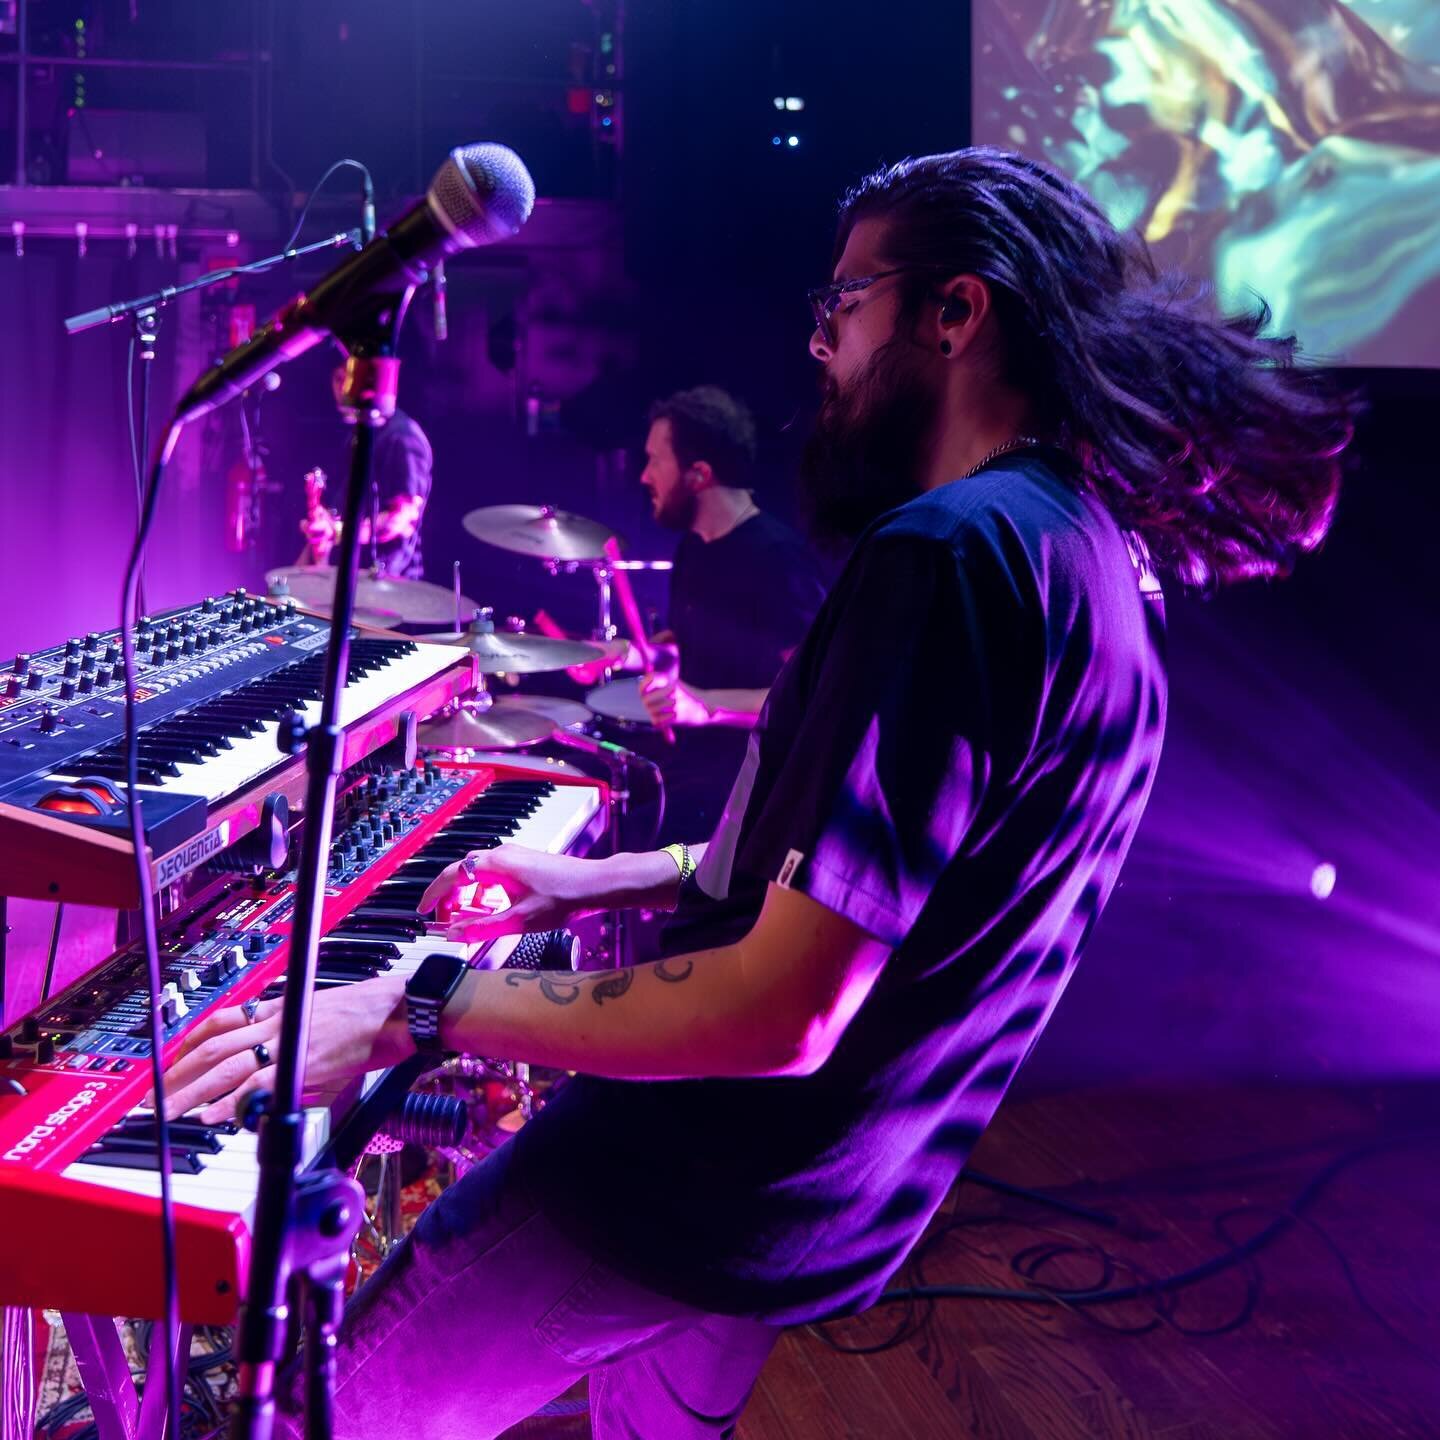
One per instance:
(1331,1332)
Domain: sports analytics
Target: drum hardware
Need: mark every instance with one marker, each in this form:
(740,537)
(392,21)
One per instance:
(565,544)
(501,652)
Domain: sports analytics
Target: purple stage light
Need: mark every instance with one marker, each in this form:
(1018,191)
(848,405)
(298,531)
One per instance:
(1322,881)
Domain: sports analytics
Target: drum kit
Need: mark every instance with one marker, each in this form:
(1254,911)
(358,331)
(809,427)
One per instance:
(508,726)
(566,544)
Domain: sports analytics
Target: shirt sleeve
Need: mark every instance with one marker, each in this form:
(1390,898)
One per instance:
(890,754)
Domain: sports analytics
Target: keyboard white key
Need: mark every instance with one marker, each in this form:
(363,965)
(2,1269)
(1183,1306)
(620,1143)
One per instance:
(249,757)
(227,1182)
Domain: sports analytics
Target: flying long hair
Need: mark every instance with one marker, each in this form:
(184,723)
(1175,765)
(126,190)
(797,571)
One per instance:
(1193,427)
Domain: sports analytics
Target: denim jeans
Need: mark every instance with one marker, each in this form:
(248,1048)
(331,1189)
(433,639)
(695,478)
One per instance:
(489,1310)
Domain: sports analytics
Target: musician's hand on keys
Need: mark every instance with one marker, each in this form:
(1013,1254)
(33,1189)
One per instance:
(352,1029)
(509,890)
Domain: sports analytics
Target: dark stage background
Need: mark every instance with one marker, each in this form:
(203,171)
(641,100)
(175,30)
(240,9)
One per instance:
(1303,727)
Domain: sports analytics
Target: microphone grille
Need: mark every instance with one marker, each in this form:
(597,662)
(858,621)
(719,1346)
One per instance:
(483,193)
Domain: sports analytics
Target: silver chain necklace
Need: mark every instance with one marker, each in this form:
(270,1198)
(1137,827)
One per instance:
(1020,442)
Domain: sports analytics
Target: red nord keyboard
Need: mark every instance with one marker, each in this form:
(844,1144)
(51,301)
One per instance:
(79,1179)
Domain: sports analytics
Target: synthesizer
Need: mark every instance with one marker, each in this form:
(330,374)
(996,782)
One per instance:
(216,685)
(79,1187)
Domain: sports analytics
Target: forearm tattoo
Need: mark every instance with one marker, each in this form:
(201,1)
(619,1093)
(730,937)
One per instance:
(603,985)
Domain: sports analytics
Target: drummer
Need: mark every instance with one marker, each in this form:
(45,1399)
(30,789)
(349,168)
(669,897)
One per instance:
(400,479)
(744,590)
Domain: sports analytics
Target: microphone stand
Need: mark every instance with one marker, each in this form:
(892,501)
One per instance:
(305,1222)
(144,314)
(109,314)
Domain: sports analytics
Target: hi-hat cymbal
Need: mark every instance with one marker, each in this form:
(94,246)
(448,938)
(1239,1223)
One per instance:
(567,714)
(379,599)
(471,729)
(500,652)
(539,530)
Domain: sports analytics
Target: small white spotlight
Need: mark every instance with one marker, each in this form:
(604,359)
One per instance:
(1322,881)
(794,102)
(793,141)
(779,102)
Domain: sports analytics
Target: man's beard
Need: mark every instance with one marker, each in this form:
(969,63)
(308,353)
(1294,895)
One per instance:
(677,510)
(866,452)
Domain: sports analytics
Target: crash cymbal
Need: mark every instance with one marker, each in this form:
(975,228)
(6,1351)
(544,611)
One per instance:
(500,652)
(471,729)
(379,599)
(567,714)
(539,530)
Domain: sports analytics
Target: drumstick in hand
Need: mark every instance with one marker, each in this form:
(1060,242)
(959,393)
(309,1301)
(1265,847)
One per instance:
(633,623)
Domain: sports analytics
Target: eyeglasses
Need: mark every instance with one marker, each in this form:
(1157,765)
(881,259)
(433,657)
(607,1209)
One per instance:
(825,300)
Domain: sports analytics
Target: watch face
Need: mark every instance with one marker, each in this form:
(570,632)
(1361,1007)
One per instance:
(436,978)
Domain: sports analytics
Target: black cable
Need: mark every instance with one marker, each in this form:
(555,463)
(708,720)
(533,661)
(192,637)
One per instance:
(137,465)
(1028,1263)
(146,904)
(369,203)
(54,950)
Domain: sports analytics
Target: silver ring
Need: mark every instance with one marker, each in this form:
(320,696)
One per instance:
(250,1007)
(467,867)
(261,1054)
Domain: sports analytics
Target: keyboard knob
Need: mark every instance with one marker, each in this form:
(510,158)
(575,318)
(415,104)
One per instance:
(92,640)
(45,1050)
(34,680)
(14,686)
(255,943)
(21,664)
(144,625)
(387,831)
(104,676)
(7,1047)
(67,692)
(72,647)
(50,719)
(29,1030)
(112,654)
(210,605)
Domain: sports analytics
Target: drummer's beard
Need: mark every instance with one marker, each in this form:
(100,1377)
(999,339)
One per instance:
(870,441)
(677,510)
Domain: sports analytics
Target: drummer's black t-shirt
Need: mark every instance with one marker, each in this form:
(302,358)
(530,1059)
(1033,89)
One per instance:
(738,606)
(955,760)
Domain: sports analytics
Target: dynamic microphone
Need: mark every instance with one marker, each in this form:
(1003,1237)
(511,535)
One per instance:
(482,193)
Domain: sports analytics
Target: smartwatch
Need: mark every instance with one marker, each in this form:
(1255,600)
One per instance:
(426,994)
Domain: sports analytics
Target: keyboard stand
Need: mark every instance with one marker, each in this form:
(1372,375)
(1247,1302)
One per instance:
(121,1413)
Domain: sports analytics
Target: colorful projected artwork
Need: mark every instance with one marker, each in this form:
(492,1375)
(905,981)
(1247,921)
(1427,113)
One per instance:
(1289,148)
